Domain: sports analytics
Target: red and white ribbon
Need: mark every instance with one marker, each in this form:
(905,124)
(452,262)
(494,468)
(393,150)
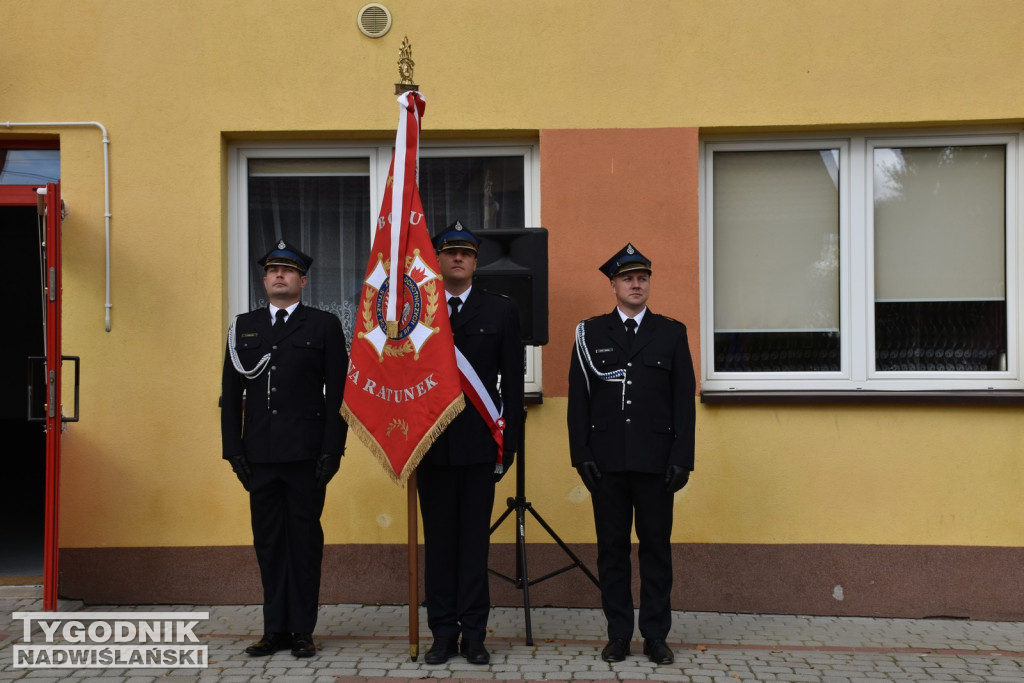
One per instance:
(404,183)
(478,395)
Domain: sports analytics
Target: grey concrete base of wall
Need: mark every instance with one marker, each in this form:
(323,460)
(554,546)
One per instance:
(841,580)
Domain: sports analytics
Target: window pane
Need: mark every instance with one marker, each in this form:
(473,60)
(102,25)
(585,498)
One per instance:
(936,336)
(323,207)
(776,260)
(482,192)
(309,167)
(29,166)
(940,254)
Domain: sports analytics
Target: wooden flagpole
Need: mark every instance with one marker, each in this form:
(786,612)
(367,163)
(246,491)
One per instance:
(405,70)
(414,602)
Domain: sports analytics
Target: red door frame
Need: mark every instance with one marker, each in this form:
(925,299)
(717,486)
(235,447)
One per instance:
(28,195)
(18,195)
(54,414)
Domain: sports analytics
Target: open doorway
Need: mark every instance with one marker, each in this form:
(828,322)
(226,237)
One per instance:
(23,453)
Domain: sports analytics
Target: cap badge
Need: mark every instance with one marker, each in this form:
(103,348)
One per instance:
(458,226)
(281,244)
(630,249)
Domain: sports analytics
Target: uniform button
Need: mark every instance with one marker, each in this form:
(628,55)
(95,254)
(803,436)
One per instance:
(629,381)
(628,421)
(629,365)
(273,367)
(274,347)
(272,389)
(629,403)
(274,412)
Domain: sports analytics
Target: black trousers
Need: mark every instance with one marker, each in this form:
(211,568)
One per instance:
(286,504)
(618,496)
(456,502)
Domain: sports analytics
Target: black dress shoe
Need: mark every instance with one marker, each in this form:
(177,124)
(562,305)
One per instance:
(302,645)
(441,651)
(475,653)
(658,652)
(269,644)
(616,650)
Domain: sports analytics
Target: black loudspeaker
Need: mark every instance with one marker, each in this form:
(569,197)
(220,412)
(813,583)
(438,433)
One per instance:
(514,262)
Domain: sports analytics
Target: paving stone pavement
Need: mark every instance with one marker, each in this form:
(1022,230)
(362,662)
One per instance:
(362,642)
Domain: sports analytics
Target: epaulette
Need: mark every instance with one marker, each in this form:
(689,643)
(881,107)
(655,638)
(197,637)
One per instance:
(670,320)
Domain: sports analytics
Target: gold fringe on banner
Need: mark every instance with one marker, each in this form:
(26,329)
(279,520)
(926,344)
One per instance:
(371,443)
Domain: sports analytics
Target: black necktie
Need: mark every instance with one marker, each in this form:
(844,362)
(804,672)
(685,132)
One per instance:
(630,330)
(455,302)
(279,317)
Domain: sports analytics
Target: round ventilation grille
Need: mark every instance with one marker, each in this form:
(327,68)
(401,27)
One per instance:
(374,20)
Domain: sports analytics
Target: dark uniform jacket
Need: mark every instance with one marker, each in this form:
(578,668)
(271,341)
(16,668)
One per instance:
(487,333)
(651,425)
(298,418)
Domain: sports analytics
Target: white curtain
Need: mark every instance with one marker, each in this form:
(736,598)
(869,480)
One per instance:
(322,206)
(776,241)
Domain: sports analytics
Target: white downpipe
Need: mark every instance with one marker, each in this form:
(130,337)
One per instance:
(106,189)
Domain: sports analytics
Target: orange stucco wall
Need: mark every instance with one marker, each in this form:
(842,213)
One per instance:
(602,188)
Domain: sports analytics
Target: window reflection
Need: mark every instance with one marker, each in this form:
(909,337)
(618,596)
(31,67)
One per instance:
(29,166)
(482,192)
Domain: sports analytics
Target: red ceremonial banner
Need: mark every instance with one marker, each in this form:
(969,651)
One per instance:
(403,386)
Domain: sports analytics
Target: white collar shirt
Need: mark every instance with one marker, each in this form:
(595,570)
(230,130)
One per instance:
(462,297)
(274,309)
(638,317)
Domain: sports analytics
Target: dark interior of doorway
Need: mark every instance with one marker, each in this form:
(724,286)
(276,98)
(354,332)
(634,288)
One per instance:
(22,444)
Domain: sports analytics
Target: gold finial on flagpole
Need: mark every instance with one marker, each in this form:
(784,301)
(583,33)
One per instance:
(405,67)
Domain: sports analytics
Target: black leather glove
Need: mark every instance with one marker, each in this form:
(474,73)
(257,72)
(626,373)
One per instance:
(326,467)
(241,469)
(676,478)
(589,474)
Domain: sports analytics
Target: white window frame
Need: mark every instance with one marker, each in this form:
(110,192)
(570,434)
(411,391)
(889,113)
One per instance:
(379,154)
(856,278)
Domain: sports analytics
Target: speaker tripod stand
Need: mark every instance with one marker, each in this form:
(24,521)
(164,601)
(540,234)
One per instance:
(520,506)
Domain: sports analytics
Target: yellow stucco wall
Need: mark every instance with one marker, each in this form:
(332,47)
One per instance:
(173,81)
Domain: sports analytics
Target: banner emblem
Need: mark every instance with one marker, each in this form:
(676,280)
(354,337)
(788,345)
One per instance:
(416,321)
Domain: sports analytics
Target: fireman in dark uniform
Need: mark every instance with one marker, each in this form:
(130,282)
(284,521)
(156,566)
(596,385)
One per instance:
(631,438)
(457,475)
(284,374)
